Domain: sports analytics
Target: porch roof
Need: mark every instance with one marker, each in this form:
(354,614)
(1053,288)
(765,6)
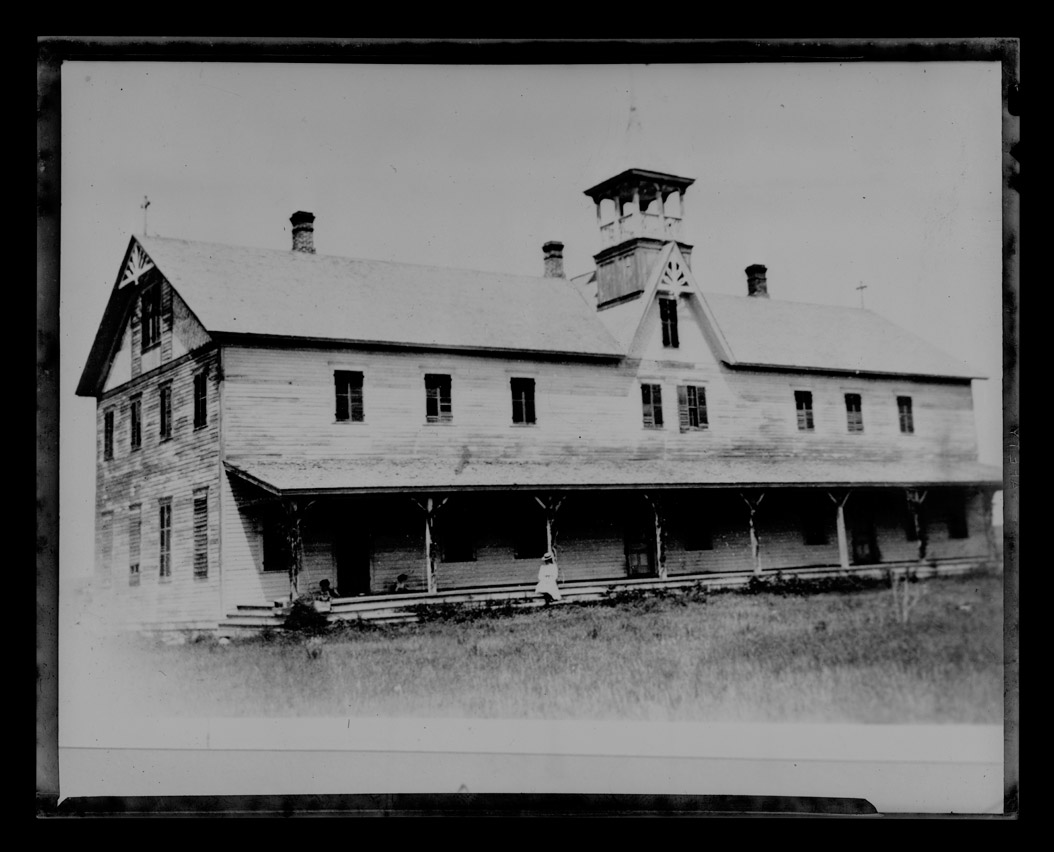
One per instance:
(367,475)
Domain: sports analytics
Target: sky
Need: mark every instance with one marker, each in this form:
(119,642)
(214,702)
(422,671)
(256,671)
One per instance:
(833,175)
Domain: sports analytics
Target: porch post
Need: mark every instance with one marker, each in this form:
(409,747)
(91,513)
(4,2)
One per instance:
(292,517)
(843,539)
(660,534)
(430,508)
(755,542)
(551,505)
(915,501)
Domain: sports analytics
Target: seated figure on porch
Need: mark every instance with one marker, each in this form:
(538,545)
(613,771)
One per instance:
(326,591)
(401,584)
(547,575)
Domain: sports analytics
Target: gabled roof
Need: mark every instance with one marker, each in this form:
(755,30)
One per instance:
(296,294)
(289,294)
(771,333)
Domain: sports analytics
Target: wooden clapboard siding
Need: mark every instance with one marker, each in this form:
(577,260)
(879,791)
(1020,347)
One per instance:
(280,403)
(173,469)
(244,578)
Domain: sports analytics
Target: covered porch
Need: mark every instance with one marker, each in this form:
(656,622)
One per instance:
(434,540)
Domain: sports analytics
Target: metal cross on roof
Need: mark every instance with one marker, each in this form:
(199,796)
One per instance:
(861,288)
(144,205)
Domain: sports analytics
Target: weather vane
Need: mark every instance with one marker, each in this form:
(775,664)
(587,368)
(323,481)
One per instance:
(144,205)
(861,288)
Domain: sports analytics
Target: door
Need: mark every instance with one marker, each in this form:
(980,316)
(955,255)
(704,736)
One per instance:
(862,529)
(640,543)
(352,550)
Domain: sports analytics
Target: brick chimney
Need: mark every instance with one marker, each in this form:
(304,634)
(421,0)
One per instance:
(303,231)
(756,285)
(554,259)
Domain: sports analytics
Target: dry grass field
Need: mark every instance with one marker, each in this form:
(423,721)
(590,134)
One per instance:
(821,657)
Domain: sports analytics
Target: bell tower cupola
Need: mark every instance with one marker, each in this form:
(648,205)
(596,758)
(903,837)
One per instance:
(638,212)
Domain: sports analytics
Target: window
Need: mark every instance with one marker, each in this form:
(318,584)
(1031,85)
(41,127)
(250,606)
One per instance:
(107,434)
(201,533)
(455,536)
(803,402)
(668,316)
(348,388)
(651,399)
(696,534)
(437,399)
(691,406)
(854,414)
(907,421)
(815,511)
(165,406)
(201,395)
(136,417)
(135,539)
(957,523)
(164,527)
(530,540)
(275,548)
(151,316)
(522,400)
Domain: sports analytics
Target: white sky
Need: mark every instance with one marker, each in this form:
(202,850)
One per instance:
(833,175)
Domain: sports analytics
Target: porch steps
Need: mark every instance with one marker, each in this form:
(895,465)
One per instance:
(398,608)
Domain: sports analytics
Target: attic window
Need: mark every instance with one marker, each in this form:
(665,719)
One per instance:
(907,421)
(668,316)
(803,403)
(151,316)
(348,386)
(651,401)
(438,408)
(854,413)
(691,407)
(522,400)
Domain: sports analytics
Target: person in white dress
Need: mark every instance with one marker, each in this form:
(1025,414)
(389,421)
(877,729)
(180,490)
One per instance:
(547,574)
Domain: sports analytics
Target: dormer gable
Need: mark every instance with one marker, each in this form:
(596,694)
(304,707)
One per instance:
(146,324)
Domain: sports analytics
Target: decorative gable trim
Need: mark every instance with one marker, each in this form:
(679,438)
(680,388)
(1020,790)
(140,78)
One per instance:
(137,264)
(672,276)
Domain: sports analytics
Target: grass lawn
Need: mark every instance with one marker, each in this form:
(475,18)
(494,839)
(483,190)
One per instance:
(829,657)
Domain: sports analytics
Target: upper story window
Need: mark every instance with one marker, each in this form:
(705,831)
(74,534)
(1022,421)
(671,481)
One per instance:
(803,403)
(651,400)
(854,413)
(691,405)
(437,399)
(907,420)
(522,400)
(165,408)
(348,388)
(135,415)
(150,303)
(668,316)
(107,434)
(201,396)
(164,530)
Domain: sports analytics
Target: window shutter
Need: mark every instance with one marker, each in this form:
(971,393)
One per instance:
(682,408)
(656,404)
(201,535)
(700,403)
(529,401)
